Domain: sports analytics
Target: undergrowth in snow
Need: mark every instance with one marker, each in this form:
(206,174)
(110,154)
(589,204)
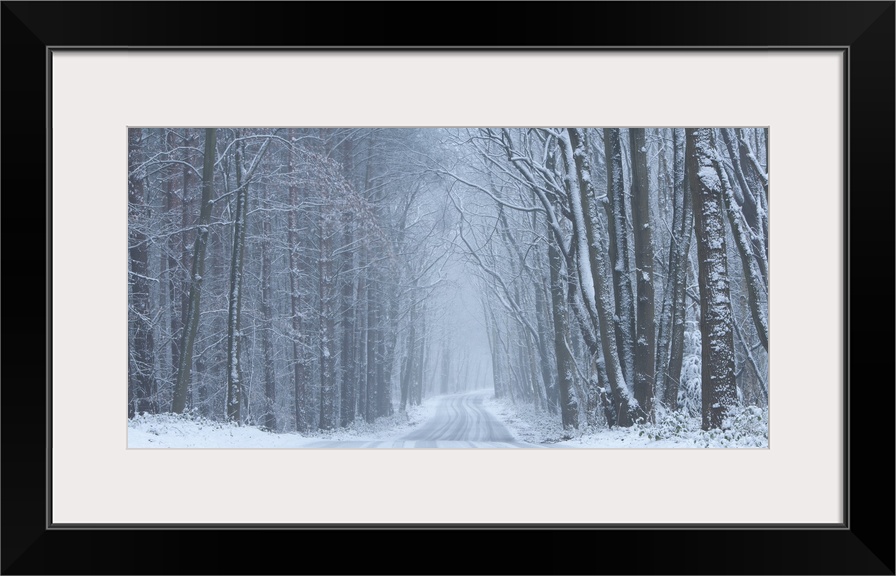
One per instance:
(190,430)
(527,423)
(748,428)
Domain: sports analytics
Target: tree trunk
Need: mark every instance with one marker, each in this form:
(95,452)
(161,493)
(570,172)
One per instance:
(421,360)
(753,263)
(446,369)
(363,354)
(670,203)
(373,358)
(349,377)
(386,351)
(682,222)
(617,225)
(568,406)
(383,384)
(408,364)
(186,237)
(296,268)
(141,360)
(327,295)
(234,308)
(348,387)
(543,322)
(544,390)
(494,350)
(645,346)
(748,201)
(593,272)
(270,384)
(174,248)
(191,324)
(595,350)
(718,385)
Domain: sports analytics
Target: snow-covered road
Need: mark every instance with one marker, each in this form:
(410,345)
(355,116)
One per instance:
(459,421)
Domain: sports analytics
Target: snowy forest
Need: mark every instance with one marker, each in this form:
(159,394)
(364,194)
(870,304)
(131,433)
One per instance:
(457,287)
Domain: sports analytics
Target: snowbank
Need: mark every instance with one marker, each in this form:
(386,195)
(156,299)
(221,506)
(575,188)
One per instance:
(194,431)
(749,429)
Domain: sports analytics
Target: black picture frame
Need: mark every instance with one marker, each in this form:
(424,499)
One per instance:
(864,544)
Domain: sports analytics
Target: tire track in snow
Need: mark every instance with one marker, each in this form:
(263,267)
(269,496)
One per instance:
(459,421)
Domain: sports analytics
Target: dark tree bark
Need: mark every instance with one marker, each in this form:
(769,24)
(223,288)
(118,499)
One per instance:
(543,321)
(568,405)
(234,307)
(749,241)
(595,288)
(373,358)
(682,225)
(174,248)
(270,383)
(383,384)
(617,225)
(747,192)
(718,385)
(348,387)
(191,325)
(605,399)
(327,295)
(141,355)
(668,203)
(645,345)
(296,290)
(187,238)
(364,358)
(373,339)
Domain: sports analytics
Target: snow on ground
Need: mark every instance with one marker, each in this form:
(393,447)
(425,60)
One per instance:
(749,429)
(526,422)
(193,431)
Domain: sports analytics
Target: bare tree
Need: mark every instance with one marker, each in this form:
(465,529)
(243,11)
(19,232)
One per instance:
(716,322)
(191,324)
(645,344)
(141,353)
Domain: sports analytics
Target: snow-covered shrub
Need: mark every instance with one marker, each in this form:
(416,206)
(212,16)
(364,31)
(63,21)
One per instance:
(178,424)
(669,425)
(690,390)
(744,427)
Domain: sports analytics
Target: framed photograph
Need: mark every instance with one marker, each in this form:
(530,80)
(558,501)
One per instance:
(405,288)
(802,92)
